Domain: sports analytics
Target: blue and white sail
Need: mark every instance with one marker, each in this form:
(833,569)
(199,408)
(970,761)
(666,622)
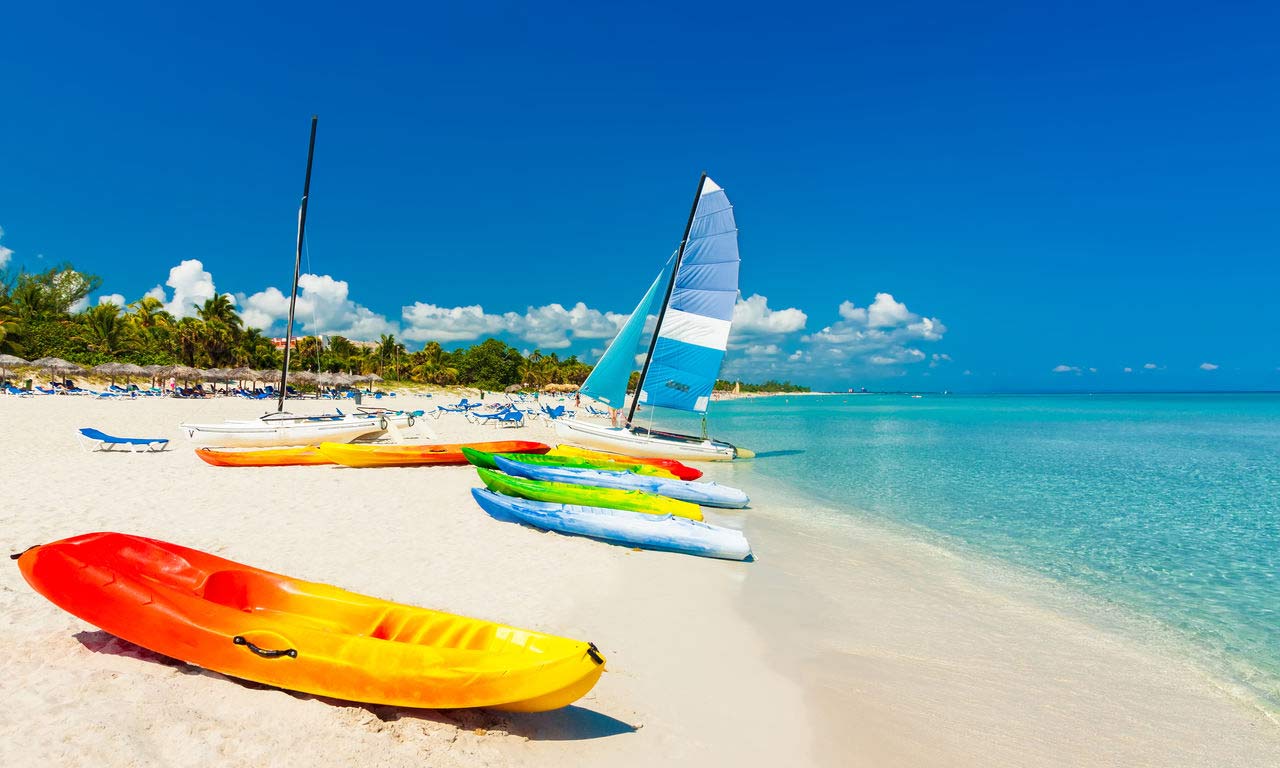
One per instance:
(694,329)
(608,380)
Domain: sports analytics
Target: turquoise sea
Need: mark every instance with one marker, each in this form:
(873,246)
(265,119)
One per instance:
(1163,506)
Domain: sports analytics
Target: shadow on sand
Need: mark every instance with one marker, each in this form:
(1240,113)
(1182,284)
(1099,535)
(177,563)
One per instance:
(570,723)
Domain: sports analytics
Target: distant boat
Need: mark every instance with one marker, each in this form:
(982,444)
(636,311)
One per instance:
(281,428)
(693,296)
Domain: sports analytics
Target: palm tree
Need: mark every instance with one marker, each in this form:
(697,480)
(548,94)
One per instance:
(220,309)
(431,365)
(9,326)
(149,314)
(105,330)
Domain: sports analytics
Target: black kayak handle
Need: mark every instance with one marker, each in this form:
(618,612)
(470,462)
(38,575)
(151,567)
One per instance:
(264,652)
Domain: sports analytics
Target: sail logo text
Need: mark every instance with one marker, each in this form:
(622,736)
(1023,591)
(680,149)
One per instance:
(673,384)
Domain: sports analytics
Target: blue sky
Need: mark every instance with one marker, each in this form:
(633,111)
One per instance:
(1024,188)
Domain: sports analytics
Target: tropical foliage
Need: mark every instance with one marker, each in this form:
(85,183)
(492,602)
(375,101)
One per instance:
(48,314)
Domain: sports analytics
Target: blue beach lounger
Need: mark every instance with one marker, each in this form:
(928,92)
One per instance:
(98,440)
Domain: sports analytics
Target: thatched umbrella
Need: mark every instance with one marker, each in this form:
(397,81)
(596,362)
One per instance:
(215,374)
(9,361)
(129,370)
(110,370)
(57,365)
(183,372)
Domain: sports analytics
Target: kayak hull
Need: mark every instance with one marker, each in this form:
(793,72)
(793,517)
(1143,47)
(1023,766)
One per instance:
(633,529)
(631,443)
(307,455)
(706,494)
(566,493)
(302,636)
(420,455)
(486,460)
(681,471)
(267,433)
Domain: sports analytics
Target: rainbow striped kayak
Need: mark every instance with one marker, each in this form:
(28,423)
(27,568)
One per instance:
(609,498)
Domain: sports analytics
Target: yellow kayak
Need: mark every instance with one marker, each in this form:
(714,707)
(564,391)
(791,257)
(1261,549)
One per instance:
(257,625)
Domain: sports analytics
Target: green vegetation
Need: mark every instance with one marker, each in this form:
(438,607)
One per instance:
(769,386)
(39,318)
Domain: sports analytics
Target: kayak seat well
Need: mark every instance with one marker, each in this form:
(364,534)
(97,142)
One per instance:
(440,630)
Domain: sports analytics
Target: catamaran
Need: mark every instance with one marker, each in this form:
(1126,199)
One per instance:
(281,427)
(693,296)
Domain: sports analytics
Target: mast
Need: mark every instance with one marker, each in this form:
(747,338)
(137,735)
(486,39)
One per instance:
(297,267)
(675,270)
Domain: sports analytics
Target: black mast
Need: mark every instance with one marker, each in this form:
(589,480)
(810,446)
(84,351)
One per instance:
(297,267)
(635,400)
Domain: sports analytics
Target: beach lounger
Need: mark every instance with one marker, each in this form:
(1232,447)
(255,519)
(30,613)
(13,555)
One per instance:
(17,392)
(97,440)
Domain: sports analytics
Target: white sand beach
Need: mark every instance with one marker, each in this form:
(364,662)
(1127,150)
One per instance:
(879,651)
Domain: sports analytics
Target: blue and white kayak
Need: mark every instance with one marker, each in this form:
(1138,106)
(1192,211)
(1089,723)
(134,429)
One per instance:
(634,529)
(707,494)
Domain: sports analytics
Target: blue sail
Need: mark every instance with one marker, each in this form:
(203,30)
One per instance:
(694,331)
(608,380)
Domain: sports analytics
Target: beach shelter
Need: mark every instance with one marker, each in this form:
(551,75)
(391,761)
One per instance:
(10,361)
(129,370)
(110,370)
(56,365)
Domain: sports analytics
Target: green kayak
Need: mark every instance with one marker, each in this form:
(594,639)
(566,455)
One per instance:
(587,496)
(483,459)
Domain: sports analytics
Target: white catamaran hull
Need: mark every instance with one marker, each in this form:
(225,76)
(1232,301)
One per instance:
(265,434)
(622,440)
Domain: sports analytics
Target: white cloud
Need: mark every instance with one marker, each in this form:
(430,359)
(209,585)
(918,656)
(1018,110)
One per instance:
(1093,370)
(1064,368)
(1209,366)
(1150,366)
(191,285)
(112,298)
(753,318)
(939,358)
(762,350)
(1128,369)
(882,334)
(5,253)
(886,312)
(324,307)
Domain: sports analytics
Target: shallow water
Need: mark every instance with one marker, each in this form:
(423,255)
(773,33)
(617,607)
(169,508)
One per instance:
(1166,506)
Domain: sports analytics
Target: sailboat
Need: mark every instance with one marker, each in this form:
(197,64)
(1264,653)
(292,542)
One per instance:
(282,428)
(693,297)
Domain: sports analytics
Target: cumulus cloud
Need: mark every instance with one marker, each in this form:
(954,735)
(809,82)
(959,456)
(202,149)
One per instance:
(1064,368)
(753,318)
(762,350)
(191,285)
(5,253)
(939,358)
(551,326)
(1127,369)
(883,333)
(886,312)
(1150,366)
(1209,366)
(324,307)
(112,298)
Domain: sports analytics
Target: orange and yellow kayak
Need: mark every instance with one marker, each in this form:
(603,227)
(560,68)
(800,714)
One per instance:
(419,455)
(272,629)
(263,457)
(682,471)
